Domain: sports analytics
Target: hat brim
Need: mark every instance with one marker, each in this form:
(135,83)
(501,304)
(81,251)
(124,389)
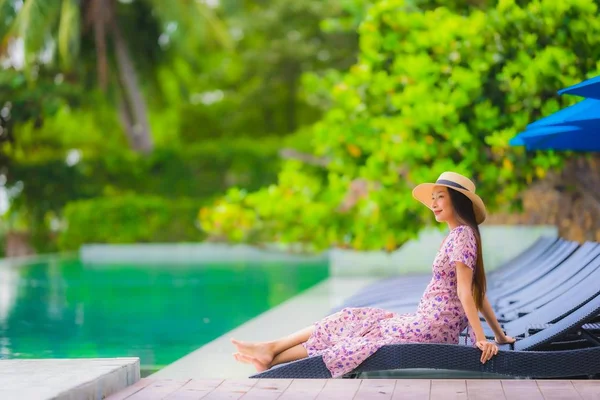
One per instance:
(423,193)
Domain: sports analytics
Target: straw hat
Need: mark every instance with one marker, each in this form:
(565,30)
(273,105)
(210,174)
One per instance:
(457,182)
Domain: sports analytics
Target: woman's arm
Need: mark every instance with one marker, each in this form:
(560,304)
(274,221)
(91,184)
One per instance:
(464,282)
(490,318)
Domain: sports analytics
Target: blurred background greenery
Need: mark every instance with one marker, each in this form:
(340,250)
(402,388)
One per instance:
(305,122)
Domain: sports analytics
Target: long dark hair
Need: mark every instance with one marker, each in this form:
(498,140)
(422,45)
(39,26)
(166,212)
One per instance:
(465,214)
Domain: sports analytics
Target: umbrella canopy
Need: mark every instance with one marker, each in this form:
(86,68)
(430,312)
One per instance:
(575,128)
(589,89)
(584,113)
(559,137)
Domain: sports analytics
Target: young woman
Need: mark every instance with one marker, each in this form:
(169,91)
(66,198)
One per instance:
(451,302)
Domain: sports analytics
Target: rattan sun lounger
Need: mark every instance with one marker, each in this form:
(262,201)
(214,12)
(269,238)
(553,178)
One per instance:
(529,357)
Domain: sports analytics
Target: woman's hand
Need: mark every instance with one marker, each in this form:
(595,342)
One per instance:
(505,339)
(488,350)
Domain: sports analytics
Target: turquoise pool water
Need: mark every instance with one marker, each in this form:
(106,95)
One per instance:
(62,308)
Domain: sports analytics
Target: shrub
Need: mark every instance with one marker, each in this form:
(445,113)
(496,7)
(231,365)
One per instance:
(434,89)
(129,219)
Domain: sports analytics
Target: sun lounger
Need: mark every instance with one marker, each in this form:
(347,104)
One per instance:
(529,357)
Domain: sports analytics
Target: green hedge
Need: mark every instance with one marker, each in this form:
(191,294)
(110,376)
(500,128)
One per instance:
(201,172)
(129,219)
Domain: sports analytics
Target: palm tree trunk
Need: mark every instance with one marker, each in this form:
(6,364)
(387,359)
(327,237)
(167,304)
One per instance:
(137,126)
(98,18)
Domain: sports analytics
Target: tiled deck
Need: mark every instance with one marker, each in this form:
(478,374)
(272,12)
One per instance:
(356,389)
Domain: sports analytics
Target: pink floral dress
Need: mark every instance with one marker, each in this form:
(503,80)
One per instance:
(347,338)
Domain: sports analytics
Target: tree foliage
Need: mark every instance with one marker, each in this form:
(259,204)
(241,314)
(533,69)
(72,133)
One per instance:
(81,36)
(207,103)
(434,89)
(25,103)
(257,89)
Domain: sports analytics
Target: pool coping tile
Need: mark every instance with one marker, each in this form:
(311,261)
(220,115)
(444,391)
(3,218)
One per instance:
(69,378)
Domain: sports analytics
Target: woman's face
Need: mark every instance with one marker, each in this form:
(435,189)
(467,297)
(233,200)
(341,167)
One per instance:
(441,204)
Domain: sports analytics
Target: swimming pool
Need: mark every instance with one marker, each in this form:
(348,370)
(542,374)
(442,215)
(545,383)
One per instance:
(65,309)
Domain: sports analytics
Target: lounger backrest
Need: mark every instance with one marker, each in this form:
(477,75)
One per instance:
(565,270)
(534,252)
(528,275)
(571,322)
(544,298)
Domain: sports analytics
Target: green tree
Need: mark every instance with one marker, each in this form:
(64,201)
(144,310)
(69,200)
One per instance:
(257,90)
(83,34)
(194,153)
(24,103)
(434,89)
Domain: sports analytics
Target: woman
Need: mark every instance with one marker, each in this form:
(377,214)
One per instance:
(450,303)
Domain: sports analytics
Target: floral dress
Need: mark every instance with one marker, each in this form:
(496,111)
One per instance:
(345,339)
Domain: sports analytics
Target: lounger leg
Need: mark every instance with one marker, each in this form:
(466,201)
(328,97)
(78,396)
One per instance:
(587,335)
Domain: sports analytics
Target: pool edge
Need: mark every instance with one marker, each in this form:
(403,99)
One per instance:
(68,378)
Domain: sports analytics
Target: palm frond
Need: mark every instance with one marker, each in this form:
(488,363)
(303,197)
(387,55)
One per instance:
(7,15)
(216,25)
(196,22)
(69,32)
(34,24)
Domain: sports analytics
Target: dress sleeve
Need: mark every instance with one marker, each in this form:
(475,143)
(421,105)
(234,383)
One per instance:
(464,247)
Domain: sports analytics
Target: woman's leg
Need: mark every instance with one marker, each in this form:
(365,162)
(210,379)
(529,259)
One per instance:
(265,352)
(292,354)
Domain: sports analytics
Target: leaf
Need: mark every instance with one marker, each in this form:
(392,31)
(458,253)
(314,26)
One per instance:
(7,13)
(217,27)
(195,20)
(354,150)
(69,32)
(34,23)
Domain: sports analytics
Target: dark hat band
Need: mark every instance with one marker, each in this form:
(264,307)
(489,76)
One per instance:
(451,184)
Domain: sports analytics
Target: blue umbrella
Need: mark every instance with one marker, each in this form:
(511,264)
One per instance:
(584,113)
(574,128)
(559,137)
(589,88)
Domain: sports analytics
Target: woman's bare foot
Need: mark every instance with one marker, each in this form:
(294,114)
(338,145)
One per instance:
(261,352)
(260,366)
(240,359)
